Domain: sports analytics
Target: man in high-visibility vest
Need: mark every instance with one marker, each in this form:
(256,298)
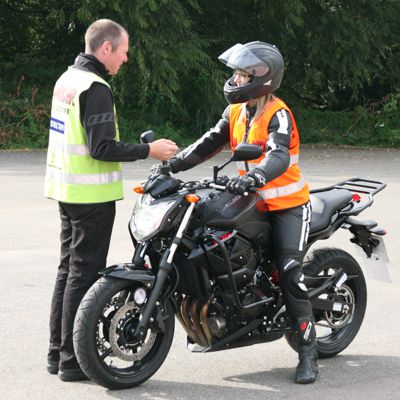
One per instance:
(84,175)
(256,116)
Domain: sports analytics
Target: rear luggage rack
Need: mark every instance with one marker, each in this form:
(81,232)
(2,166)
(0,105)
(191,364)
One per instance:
(360,185)
(357,186)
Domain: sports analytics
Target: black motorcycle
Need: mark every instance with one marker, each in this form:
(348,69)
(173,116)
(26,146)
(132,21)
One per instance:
(203,255)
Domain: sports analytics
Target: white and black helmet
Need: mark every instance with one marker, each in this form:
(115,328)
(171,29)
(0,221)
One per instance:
(263,61)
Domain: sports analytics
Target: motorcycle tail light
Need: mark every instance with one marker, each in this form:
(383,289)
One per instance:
(355,198)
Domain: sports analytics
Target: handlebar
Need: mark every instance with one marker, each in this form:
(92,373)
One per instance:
(164,183)
(215,186)
(223,188)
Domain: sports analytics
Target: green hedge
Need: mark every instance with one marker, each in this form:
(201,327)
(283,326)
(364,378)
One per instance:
(24,120)
(362,127)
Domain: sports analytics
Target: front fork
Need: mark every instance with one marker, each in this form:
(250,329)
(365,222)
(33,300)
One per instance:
(164,269)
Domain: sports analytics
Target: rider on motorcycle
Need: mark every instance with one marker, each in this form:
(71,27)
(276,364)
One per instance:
(255,115)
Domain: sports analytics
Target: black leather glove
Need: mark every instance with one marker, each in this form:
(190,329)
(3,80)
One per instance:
(258,176)
(240,184)
(222,180)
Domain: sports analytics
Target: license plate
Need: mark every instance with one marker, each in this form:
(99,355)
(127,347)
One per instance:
(377,266)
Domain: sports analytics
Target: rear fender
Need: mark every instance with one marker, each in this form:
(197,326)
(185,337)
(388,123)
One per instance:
(127,271)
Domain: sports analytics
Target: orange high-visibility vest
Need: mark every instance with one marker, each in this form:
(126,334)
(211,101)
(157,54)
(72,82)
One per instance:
(287,190)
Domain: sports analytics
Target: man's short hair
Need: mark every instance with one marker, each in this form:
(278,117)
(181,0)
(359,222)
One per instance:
(100,31)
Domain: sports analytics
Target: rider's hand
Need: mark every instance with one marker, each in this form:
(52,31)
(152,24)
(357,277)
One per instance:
(240,184)
(258,176)
(222,180)
(162,149)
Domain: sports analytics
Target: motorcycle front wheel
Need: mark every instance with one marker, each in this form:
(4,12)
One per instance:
(336,330)
(105,346)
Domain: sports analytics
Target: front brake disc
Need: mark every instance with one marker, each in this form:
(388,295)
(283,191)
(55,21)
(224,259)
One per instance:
(123,348)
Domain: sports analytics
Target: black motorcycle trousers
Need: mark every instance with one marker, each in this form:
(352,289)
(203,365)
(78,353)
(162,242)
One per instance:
(290,230)
(85,240)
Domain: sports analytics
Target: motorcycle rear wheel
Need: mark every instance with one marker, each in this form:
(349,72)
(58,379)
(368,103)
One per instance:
(106,350)
(336,330)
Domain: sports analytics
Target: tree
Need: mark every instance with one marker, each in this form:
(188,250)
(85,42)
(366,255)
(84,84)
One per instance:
(169,74)
(38,38)
(338,53)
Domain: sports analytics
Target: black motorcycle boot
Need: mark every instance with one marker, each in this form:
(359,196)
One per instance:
(307,369)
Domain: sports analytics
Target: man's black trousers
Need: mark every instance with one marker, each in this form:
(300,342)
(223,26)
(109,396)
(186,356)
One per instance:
(85,240)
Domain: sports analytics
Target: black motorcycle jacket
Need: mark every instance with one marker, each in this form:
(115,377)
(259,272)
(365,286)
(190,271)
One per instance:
(213,141)
(100,132)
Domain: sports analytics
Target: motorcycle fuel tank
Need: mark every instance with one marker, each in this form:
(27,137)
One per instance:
(230,211)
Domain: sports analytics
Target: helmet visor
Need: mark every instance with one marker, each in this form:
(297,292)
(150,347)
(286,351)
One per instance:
(239,56)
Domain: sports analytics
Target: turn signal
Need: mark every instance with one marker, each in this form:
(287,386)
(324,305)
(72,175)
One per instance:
(192,198)
(138,189)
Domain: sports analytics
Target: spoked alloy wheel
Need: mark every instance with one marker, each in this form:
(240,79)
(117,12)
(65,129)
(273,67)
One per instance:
(336,329)
(104,341)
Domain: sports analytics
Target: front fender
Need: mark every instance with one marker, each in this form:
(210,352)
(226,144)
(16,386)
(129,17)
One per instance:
(128,271)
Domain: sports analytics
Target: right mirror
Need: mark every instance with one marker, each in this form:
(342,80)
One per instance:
(246,152)
(147,137)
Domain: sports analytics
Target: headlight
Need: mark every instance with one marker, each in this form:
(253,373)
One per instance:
(147,218)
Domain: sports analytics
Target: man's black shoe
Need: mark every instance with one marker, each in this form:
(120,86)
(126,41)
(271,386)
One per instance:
(72,375)
(52,367)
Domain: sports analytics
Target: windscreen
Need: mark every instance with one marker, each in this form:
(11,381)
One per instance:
(239,56)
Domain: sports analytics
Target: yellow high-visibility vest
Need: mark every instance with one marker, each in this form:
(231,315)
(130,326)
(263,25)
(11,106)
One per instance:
(72,175)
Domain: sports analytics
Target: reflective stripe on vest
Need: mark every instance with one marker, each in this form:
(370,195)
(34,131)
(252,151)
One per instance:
(84,179)
(282,191)
(57,144)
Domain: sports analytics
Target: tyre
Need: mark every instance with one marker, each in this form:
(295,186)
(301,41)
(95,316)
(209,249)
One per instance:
(336,330)
(104,344)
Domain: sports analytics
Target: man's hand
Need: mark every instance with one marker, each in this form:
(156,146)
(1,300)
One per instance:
(162,149)
(240,184)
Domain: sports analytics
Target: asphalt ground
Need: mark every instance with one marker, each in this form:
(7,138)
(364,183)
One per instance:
(29,244)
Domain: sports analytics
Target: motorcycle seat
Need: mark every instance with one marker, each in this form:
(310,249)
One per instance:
(325,204)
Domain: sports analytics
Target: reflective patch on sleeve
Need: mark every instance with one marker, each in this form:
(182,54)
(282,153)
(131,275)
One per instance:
(283,122)
(100,119)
